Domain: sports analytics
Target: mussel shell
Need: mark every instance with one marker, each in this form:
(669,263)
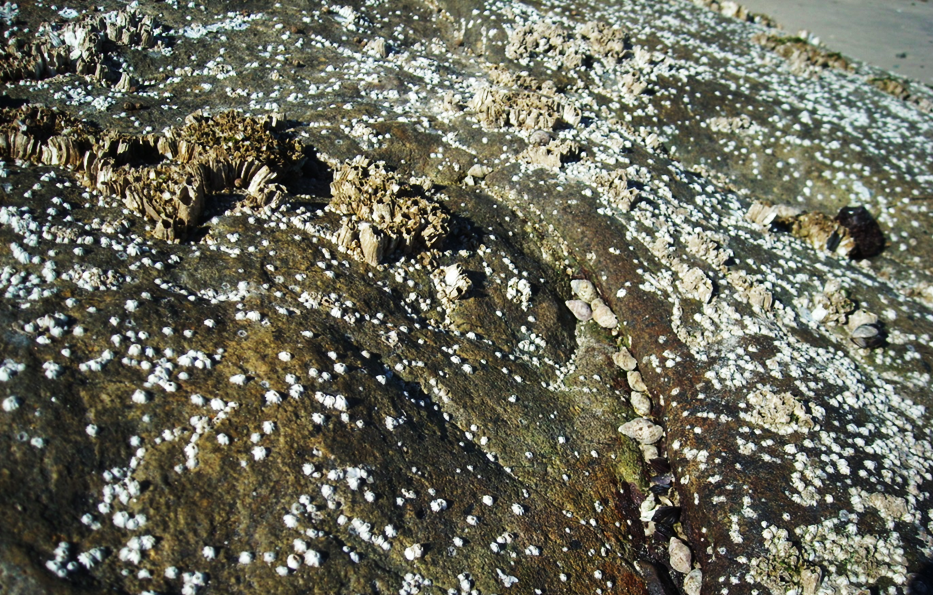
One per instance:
(666,515)
(867,336)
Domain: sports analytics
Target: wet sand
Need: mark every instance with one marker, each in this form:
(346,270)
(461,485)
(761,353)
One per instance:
(896,35)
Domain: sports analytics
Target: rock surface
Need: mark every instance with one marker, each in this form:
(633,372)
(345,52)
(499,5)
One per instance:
(355,370)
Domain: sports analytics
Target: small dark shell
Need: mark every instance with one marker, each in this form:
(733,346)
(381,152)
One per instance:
(660,466)
(869,240)
(867,336)
(660,484)
(665,531)
(666,515)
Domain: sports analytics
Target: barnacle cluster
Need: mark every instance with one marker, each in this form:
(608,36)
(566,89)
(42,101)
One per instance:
(79,47)
(901,89)
(803,57)
(497,108)
(383,214)
(736,11)
(165,178)
(572,49)
(616,190)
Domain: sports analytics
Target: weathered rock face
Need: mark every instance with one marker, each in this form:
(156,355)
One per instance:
(505,302)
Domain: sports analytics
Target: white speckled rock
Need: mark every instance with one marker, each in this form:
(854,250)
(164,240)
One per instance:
(693,581)
(642,430)
(580,309)
(584,290)
(681,558)
(603,315)
(625,360)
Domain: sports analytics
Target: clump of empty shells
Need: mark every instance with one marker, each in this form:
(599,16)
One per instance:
(735,10)
(831,306)
(901,89)
(382,214)
(79,47)
(209,155)
(696,284)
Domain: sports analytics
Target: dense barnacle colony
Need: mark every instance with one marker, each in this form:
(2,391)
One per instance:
(471,297)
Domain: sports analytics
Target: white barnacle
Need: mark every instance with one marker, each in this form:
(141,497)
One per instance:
(312,558)
(273,397)
(517,509)
(208,552)
(238,379)
(488,500)
(259,453)
(11,403)
(245,558)
(414,551)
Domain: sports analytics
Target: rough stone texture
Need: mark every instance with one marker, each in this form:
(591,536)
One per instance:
(369,381)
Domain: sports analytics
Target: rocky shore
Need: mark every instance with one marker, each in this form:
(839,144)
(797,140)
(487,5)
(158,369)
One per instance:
(459,297)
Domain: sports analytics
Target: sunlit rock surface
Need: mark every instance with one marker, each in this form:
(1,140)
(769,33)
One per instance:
(367,361)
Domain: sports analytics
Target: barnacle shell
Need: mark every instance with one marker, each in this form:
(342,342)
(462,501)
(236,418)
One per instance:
(479,171)
(584,290)
(451,282)
(580,309)
(373,243)
(760,297)
(624,359)
(680,556)
(642,430)
(696,284)
(603,315)
(694,581)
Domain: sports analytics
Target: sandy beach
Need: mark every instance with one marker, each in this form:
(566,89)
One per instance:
(896,35)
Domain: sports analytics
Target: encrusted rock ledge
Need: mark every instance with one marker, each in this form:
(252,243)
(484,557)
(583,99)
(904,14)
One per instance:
(465,297)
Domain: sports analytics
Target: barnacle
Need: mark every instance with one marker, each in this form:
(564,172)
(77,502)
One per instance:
(382,213)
